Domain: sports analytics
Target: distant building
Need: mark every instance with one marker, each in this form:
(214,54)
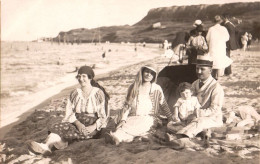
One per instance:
(157,25)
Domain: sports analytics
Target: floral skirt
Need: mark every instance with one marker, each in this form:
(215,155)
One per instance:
(69,131)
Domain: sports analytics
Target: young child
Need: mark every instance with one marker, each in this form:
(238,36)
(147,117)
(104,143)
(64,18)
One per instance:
(186,106)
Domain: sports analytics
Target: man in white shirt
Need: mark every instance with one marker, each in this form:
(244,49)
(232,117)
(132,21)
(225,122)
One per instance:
(217,37)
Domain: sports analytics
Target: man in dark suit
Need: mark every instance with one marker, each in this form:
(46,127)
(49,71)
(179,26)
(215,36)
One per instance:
(232,43)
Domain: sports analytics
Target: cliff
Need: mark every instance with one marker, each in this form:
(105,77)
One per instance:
(172,20)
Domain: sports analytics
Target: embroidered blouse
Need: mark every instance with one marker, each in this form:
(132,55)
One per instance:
(93,105)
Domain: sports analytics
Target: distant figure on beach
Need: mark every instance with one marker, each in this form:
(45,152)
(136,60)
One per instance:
(232,43)
(197,45)
(165,46)
(244,40)
(104,55)
(198,24)
(210,95)
(141,112)
(59,62)
(217,37)
(86,115)
(250,37)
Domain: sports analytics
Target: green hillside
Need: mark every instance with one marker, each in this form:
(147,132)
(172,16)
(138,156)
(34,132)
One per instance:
(172,19)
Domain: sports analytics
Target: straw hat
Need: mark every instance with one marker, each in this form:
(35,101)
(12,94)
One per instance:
(197,23)
(204,60)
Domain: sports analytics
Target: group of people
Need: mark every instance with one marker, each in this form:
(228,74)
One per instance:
(199,105)
(87,113)
(218,41)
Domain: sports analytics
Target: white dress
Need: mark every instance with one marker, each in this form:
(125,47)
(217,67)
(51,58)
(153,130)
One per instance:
(139,124)
(187,107)
(217,37)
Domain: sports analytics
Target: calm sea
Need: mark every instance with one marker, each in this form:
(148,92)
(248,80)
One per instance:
(30,67)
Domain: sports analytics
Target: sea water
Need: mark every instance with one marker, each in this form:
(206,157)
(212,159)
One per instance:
(28,68)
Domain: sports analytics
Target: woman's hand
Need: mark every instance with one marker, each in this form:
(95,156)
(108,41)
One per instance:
(89,129)
(81,127)
(121,123)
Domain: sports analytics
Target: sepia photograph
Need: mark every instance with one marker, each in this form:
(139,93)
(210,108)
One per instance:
(128,81)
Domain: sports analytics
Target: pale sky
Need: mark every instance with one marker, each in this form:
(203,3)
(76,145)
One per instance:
(31,19)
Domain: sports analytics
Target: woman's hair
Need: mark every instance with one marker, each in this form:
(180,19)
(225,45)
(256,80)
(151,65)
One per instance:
(199,28)
(183,86)
(134,88)
(107,97)
(217,19)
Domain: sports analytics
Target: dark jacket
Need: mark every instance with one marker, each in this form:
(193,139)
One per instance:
(232,44)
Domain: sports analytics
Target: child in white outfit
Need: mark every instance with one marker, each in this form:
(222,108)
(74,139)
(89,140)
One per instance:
(186,106)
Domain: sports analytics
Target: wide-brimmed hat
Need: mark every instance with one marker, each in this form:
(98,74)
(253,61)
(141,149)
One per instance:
(197,22)
(152,67)
(204,60)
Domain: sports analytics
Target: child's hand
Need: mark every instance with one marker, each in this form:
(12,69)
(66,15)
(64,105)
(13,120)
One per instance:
(121,123)
(191,118)
(197,114)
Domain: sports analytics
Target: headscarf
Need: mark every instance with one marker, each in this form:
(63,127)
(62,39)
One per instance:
(89,71)
(134,88)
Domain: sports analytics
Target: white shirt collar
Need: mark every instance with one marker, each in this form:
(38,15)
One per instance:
(208,79)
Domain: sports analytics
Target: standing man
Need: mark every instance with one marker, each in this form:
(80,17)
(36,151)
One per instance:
(217,37)
(232,43)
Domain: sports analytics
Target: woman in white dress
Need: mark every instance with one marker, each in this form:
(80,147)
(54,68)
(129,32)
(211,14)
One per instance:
(141,112)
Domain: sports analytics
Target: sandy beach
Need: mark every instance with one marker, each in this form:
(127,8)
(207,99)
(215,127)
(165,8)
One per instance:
(241,90)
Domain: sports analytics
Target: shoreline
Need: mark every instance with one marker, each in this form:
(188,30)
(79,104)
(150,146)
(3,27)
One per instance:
(11,119)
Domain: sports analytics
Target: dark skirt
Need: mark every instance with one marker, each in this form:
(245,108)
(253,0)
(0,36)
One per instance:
(69,131)
(192,55)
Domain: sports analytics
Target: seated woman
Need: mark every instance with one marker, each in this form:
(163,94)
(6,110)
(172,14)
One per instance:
(86,114)
(141,110)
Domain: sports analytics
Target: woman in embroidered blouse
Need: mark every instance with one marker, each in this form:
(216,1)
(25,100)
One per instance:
(141,110)
(86,113)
